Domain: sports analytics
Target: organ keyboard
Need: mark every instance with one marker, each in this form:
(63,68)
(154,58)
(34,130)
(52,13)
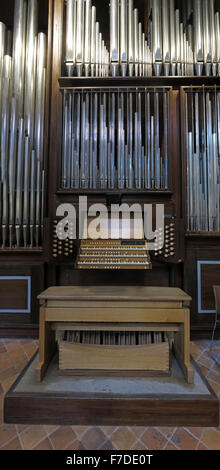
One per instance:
(113,254)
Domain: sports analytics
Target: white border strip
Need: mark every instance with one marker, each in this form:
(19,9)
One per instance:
(28,278)
(199,264)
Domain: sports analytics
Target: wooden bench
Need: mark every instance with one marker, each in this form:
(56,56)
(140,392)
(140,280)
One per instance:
(147,308)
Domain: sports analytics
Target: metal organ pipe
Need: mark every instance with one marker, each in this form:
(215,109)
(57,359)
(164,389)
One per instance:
(22,112)
(87,38)
(93,41)
(79,35)
(198,36)
(174,42)
(114,40)
(156,37)
(130,37)
(110,149)
(19,47)
(166,36)
(70,36)
(2,53)
(123,37)
(202,150)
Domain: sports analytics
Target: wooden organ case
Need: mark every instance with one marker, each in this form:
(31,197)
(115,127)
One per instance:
(159,107)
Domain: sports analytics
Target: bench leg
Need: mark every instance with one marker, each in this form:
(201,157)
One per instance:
(47,346)
(182,348)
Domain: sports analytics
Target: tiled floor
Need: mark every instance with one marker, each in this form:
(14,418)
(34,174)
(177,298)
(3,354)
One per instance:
(14,355)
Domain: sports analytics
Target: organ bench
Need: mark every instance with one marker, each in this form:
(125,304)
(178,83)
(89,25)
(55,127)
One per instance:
(116,307)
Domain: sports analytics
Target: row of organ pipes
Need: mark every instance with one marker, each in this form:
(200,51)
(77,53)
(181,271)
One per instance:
(173,38)
(119,338)
(115,139)
(202,121)
(22,112)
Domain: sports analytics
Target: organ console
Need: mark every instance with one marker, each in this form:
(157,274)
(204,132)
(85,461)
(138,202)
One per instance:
(113,255)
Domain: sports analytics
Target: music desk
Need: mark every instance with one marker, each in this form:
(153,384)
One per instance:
(158,308)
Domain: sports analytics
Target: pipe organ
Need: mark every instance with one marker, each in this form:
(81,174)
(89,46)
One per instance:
(171,39)
(116,100)
(22,111)
(115,139)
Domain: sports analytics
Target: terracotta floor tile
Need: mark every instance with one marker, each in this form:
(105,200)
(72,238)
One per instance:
(20,365)
(93,438)
(26,341)
(21,427)
(216,368)
(205,370)
(199,346)
(44,445)
(108,430)
(215,387)
(139,446)
(214,377)
(123,438)
(18,357)
(50,429)
(80,430)
(195,350)
(14,348)
(62,437)
(166,431)
(211,438)
(30,350)
(202,447)
(1,402)
(6,385)
(12,445)
(203,343)
(138,430)
(153,439)
(7,374)
(197,432)
(171,446)
(4,356)
(206,360)
(75,445)
(7,432)
(184,440)
(1,417)
(107,445)
(32,436)
(6,363)
(2,348)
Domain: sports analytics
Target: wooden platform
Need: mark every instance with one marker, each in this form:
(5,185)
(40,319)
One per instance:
(155,401)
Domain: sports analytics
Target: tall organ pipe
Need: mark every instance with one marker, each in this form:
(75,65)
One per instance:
(30,68)
(19,46)
(22,112)
(70,36)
